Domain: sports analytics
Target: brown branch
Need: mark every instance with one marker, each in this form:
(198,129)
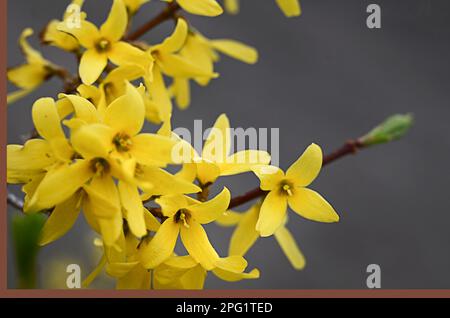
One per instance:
(165,15)
(350,147)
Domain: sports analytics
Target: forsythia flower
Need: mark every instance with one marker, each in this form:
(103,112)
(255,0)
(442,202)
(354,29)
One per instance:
(185,217)
(30,75)
(290,188)
(245,235)
(64,41)
(104,44)
(290,8)
(215,160)
(209,8)
(134,5)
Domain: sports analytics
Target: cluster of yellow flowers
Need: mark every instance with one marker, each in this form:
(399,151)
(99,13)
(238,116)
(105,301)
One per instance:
(93,156)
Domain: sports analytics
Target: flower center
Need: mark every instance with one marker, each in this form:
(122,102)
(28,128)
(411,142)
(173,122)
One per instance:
(122,142)
(99,166)
(287,188)
(103,45)
(183,216)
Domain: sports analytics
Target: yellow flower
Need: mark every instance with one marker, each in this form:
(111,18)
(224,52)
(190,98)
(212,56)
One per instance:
(104,44)
(215,160)
(245,235)
(64,41)
(30,75)
(185,217)
(134,5)
(209,8)
(203,53)
(183,272)
(290,8)
(290,188)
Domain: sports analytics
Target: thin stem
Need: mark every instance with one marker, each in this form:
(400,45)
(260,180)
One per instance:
(167,14)
(350,147)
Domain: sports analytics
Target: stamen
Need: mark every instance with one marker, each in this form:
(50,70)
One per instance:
(99,166)
(287,188)
(102,45)
(122,142)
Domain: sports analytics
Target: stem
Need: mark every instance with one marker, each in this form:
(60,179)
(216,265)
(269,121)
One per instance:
(350,147)
(167,14)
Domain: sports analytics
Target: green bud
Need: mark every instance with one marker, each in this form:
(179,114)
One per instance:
(394,127)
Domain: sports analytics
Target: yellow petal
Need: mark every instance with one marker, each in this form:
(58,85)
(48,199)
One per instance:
(152,149)
(217,145)
(176,40)
(272,214)
(61,220)
(116,23)
(83,108)
(234,264)
(119,270)
(269,176)
(166,183)
(170,204)
(36,154)
(197,244)
(133,208)
(312,206)
(87,34)
(161,246)
(137,278)
(209,8)
(290,248)
(52,36)
(122,53)
(243,161)
(229,218)
(17,95)
(209,211)
(232,6)
(290,8)
(32,56)
(178,66)
(236,50)
(28,76)
(245,234)
(46,119)
(235,277)
(159,93)
(93,140)
(94,274)
(207,172)
(59,184)
(307,167)
(182,92)
(151,223)
(134,5)
(92,65)
(127,72)
(104,203)
(126,113)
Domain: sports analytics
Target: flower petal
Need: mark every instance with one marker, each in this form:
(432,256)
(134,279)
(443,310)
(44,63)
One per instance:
(245,234)
(152,149)
(217,145)
(235,277)
(243,161)
(269,176)
(209,8)
(161,246)
(115,25)
(290,248)
(46,119)
(93,140)
(28,76)
(166,183)
(176,40)
(272,214)
(92,65)
(36,154)
(307,167)
(234,264)
(87,34)
(236,50)
(59,184)
(133,208)
(197,244)
(61,220)
(170,204)
(126,113)
(312,206)
(83,108)
(290,8)
(122,53)
(229,218)
(209,211)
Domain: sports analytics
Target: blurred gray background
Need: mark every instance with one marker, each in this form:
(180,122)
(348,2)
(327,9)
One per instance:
(324,78)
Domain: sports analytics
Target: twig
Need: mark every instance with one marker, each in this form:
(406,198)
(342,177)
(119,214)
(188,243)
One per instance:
(167,14)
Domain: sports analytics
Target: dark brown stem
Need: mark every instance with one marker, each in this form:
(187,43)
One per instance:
(350,147)
(165,15)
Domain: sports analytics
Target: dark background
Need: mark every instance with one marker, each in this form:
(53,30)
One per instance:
(324,78)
